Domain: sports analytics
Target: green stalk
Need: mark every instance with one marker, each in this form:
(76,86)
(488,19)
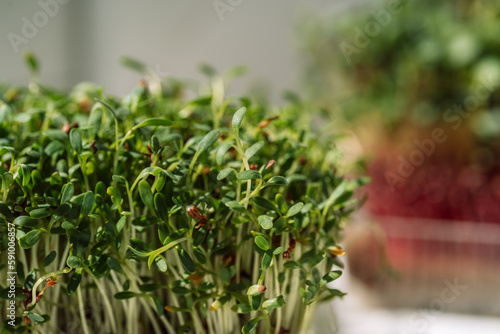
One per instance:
(245,201)
(117,148)
(42,279)
(131,207)
(247,167)
(168,246)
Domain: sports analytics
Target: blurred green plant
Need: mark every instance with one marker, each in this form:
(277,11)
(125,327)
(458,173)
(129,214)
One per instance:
(423,64)
(163,215)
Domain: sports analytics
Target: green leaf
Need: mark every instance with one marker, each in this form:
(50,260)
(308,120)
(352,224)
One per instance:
(255,290)
(32,63)
(153,122)
(160,203)
(249,175)
(330,277)
(26,221)
(261,242)
(281,202)
(199,255)
(35,317)
(160,181)
(250,326)
(225,274)
(6,149)
(161,264)
(332,293)
(278,250)
(146,195)
(73,261)
(264,203)
(114,265)
(201,101)
(295,209)
(154,144)
(222,151)
(134,64)
(5,211)
(126,295)
(53,148)
(265,222)
(87,203)
(279,226)
(119,179)
(67,192)
(292,265)
(186,260)
(158,305)
(315,260)
(74,282)
(241,308)
(81,241)
(308,295)
(206,286)
(111,110)
(67,225)
(233,205)
(339,190)
(76,140)
(273,303)
(307,207)
(115,195)
(277,181)
(149,287)
(207,141)
(238,118)
(26,175)
(207,70)
(137,252)
(224,173)
(199,236)
(267,258)
(95,120)
(250,152)
(40,213)
(255,301)
(121,223)
(30,280)
(30,239)
(61,211)
(180,290)
(49,258)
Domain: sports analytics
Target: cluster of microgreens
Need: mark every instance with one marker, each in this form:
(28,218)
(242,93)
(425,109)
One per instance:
(150,214)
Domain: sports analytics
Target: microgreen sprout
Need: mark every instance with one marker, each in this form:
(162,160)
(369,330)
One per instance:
(143,218)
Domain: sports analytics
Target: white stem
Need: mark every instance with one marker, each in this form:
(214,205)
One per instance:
(107,304)
(82,311)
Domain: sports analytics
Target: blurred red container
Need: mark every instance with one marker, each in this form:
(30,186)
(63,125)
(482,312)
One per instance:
(427,256)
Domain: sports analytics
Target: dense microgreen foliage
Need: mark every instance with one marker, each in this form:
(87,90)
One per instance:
(149,213)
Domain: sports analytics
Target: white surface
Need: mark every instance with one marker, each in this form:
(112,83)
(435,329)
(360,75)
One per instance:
(358,314)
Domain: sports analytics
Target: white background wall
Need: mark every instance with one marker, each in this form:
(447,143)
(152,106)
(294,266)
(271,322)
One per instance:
(84,40)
